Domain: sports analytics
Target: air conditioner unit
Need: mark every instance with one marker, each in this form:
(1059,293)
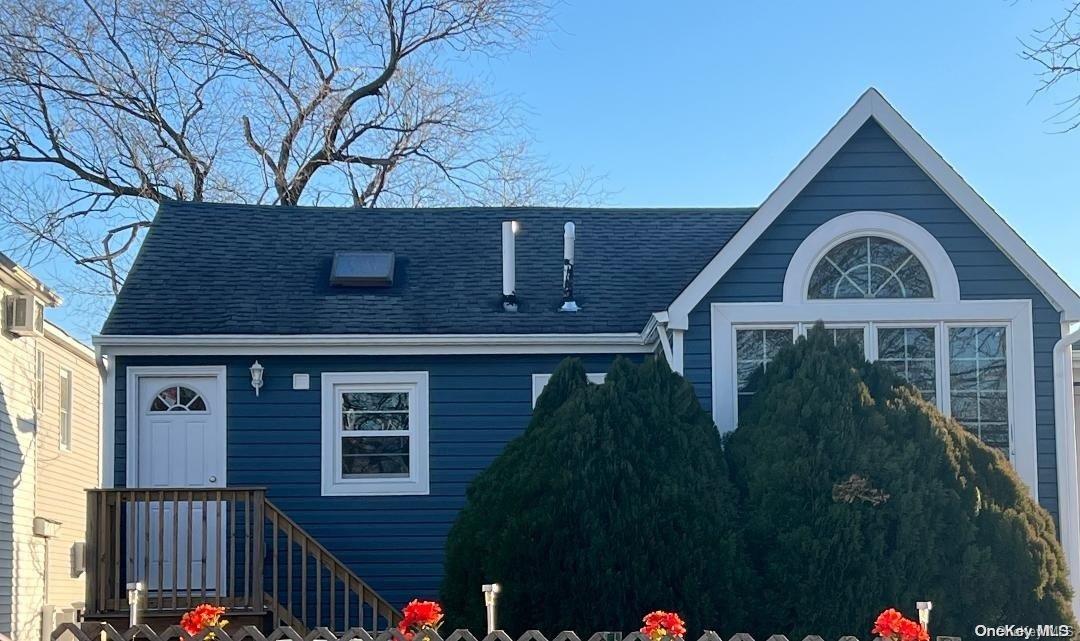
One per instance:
(24,315)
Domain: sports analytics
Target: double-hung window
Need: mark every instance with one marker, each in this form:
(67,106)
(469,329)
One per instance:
(374,433)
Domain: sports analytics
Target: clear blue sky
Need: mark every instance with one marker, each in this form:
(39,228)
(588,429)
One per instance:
(713,103)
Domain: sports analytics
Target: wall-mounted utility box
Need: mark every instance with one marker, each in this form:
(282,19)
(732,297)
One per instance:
(46,528)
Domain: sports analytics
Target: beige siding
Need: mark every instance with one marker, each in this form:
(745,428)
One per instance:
(18,554)
(63,476)
(40,479)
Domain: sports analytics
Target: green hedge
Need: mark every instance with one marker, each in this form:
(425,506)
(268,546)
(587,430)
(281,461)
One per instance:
(859,495)
(614,502)
(841,493)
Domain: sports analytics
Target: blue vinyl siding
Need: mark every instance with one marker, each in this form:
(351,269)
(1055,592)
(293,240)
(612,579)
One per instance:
(477,405)
(871,172)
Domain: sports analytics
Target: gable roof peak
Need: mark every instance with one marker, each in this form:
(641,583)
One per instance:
(872,104)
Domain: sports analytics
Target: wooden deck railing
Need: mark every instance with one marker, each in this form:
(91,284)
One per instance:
(309,582)
(228,546)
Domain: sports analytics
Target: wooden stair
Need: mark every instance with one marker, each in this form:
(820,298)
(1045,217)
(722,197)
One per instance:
(310,588)
(268,567)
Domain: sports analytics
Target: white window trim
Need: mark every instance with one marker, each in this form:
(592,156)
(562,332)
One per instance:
(540,381)
(416,384)
(1015,315)
(65,413)
(911,235)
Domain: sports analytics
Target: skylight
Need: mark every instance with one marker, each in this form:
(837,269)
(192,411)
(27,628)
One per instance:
(362,269)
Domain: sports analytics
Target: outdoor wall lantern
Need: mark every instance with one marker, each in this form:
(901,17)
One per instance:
(256,376)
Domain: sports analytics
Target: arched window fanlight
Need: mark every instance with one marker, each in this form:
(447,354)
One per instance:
(869,267)
(177,398)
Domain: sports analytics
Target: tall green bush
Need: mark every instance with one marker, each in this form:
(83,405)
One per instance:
(859,495)
(614,502)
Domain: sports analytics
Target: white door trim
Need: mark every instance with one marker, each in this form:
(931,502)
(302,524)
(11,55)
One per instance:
(132,408)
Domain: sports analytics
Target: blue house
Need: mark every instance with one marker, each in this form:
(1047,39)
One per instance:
(297,398)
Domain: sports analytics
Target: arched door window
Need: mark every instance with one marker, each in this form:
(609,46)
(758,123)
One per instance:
(178,398)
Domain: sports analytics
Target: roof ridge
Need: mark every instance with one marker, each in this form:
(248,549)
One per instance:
(451,209)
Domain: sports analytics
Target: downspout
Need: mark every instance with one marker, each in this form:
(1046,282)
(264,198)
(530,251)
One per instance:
(1068,486)
(103,373)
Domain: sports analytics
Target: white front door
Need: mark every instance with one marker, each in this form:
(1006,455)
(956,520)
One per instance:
(181,444)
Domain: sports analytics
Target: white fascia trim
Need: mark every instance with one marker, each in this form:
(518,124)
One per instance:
(1016,313)
(873,105)
(374,344)
(417,386)
(131,409)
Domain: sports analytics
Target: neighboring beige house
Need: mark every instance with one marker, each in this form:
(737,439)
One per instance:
(49,425)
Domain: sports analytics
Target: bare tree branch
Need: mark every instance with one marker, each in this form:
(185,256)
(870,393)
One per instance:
(109,107)
(1056,50)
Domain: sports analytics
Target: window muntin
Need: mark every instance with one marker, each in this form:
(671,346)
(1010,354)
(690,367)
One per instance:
(375,433)
(754,348)
(178,398)
(974,375)
(856,335)
(869,267)
(978,382)
(912,353)
(66,392)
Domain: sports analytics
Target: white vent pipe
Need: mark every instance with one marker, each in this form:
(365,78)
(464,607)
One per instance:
(569,235)
(509,271)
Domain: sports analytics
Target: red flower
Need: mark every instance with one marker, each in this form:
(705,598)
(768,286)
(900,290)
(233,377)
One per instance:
(890,624)
(660,624)
(420,615)
(912,631)
(202,617)
(887,624)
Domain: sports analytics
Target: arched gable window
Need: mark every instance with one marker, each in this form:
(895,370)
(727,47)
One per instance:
(177,398)
(869,267)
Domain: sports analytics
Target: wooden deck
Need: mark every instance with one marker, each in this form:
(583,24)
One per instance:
(227,546)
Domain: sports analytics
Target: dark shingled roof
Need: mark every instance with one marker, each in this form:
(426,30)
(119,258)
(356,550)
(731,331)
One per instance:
(244,269)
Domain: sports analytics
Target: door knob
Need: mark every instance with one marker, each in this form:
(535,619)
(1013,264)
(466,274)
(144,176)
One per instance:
(213,479)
